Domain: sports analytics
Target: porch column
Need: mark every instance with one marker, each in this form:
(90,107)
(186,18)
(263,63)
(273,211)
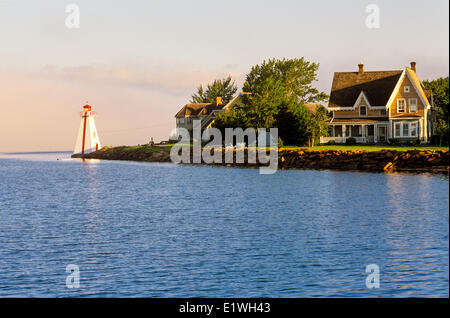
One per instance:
(375,133)
(421,129)
(363,132)
(343,131)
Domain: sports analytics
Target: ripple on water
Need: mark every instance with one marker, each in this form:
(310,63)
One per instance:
(161,230)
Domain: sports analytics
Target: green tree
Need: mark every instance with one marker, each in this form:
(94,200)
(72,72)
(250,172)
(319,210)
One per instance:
(266,102)
(316,125)
(231,119)
(225,88)
(278,91)
(440,88)
(296,76)
(292,123)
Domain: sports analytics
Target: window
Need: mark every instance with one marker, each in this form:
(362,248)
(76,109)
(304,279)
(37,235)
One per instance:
(400,105)
(405,132)
(397,129)
(413,129)
(413,105)
(362,111)
(406,89)
(182,120)
(383,112)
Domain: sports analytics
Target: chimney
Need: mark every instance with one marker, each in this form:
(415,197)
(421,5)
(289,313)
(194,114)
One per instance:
(360,68)
(413,66)
(218,100)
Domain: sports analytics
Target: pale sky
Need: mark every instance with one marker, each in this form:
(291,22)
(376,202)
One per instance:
(138,62)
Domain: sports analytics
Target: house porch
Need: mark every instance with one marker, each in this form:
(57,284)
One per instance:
(375,132)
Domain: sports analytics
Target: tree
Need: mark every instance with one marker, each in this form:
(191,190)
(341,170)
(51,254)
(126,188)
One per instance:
(296,76)
(278,91)
(440,88)
(231,119)
(225,88)
(316,125)
(264,104)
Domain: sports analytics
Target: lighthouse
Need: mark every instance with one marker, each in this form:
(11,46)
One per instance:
(87,140)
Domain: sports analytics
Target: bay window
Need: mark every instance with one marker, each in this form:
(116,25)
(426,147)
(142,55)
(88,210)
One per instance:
(397,129)
(405,132)
(413,129)
(405,129)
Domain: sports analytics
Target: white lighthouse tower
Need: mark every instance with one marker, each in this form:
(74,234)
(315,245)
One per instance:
(87,140)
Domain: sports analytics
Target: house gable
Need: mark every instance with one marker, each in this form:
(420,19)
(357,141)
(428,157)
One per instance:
(408,97)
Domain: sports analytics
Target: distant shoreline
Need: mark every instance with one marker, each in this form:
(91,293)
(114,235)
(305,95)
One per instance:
(386,160)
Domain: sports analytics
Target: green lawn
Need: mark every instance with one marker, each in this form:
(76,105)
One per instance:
(370,148)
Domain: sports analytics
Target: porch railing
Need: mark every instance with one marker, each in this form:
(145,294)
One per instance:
(341,140)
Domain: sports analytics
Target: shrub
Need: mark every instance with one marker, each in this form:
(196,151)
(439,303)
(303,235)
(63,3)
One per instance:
(331,142)
(350,141)
(416,142)
(395,142)
(280,142)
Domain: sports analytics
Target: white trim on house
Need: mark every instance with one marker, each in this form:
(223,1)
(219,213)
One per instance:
(359,123)
(351,108)
(395,91)
(361,96)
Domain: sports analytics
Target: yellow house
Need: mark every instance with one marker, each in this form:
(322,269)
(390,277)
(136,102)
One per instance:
(380,106)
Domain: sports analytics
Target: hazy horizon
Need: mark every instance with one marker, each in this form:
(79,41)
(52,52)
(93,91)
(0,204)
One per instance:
(138,63)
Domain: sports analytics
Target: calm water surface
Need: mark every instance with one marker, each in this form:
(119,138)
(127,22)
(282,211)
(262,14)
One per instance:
(162,230)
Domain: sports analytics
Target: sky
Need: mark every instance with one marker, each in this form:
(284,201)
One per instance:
(138,62)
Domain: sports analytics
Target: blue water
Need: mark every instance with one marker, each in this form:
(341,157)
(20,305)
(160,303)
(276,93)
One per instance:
(162,230)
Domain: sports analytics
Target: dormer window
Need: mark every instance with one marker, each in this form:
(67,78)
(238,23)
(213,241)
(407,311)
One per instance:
(383,112)
(406,89)
(362,111)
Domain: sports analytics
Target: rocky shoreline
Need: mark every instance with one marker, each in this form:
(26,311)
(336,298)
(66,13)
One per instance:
(344,160)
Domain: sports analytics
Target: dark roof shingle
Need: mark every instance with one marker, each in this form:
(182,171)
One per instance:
(196,109)
(377,86)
